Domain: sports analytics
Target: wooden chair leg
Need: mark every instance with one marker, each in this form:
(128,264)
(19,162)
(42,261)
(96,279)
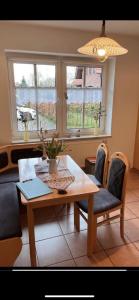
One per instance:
(68,207)
(92,237)
(91,228)
(107,217)
(76,217)
(122,223)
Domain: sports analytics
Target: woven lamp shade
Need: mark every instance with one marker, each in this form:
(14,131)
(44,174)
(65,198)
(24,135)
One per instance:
(111,47)
(102,47)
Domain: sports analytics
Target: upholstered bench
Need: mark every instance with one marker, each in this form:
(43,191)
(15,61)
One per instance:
(17,154)
(9,175)
(10,227)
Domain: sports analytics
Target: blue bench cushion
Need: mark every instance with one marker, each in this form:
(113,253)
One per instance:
(9,212)
(94,179)
(24,153)
(103,200)
(3,160)
(10,175)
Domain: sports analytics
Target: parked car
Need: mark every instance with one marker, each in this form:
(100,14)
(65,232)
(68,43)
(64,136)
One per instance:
(21,110)
(18,114)
(32,112)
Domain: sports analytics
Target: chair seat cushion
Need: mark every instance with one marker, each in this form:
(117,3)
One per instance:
(103,200)
(10,175)
(93,178)
(9,212)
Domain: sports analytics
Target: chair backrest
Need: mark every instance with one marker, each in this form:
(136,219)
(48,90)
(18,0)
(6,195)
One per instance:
(117,175)
(101,165)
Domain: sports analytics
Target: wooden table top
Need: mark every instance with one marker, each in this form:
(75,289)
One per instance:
(81,186)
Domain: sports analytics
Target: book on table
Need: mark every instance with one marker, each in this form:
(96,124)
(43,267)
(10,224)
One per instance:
(33,188)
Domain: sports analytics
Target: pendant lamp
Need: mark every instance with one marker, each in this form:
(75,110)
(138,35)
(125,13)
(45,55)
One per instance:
(102,47)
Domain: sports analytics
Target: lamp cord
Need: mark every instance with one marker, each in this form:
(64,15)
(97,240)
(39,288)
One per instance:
(103,29)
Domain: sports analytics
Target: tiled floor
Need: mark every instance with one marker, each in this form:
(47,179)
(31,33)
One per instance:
(59,245)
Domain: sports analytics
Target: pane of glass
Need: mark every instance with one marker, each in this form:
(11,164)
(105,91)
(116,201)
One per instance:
(23,75)
(45,75)
(47,108)
(26,107)
(93,77)
(74,76)
(92,105)
(75,108)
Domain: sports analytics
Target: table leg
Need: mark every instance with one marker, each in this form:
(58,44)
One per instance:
(31,236)
(76,217)
(91,238)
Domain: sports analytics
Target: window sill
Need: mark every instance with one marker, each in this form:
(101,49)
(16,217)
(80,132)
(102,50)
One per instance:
(86,137)
(72,138)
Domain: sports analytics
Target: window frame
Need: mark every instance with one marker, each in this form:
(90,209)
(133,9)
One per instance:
(83,131)
(33,134)
(60,61)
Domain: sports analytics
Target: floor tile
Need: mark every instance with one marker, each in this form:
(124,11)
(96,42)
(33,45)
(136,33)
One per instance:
(109,236)
(132,185)
(127,216)
(64,210)
(66,263)
(48,230)
(136,191)
(67,224)
(99,259)
(134,208)
(136,244)
(45,227)
(23,260)
(25,238)
(124,256)
(77,243)
(132,229)
(42,231)
(52,251)
(132,182)
(130,197)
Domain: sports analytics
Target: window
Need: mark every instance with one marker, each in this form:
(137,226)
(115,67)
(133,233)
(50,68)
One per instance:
(59,94)
(84,96)
(35,93)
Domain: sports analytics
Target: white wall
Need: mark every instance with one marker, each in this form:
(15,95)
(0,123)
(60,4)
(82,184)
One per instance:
(126,93)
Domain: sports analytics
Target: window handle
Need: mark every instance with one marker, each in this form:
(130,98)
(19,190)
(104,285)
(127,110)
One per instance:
(65,95)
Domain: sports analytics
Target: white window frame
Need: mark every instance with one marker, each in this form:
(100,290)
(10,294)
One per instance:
(61,62)
(33,134)
(83,131)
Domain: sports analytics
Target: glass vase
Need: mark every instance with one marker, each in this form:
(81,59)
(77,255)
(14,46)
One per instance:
(52,166)
(26,133)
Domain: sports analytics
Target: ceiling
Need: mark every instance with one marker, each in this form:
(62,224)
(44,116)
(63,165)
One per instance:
(127,27)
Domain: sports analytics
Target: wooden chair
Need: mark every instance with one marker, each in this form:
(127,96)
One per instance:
(101,166)
(108,199)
